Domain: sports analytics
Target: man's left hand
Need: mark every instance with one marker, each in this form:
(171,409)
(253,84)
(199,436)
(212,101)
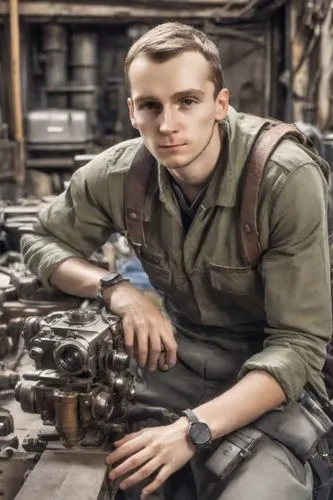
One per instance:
(160,450)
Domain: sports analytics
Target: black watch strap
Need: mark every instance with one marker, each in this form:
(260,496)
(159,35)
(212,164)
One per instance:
(104,284)
(190,415)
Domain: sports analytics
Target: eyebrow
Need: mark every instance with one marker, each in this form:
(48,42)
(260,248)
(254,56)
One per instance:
(176,95)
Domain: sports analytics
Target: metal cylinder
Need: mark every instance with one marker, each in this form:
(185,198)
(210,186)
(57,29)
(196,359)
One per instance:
(67,417)
(55,48)
(25,394)
(84,58)
(84,68)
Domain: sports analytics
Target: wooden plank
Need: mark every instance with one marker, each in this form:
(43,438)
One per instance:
(141,12)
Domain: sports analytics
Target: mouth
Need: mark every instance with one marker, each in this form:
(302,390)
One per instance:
(171,147)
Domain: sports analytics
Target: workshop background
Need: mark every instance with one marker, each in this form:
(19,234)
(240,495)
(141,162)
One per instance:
(62,94)
(63,100)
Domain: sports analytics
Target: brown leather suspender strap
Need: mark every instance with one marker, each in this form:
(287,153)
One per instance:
(265,144)
(136,186)
(137,181)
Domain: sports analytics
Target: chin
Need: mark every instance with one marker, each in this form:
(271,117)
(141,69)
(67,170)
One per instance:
(173,164)
(172,161)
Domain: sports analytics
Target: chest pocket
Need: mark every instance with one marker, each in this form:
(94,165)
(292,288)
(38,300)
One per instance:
(234,280)
(238,287)
(159,274)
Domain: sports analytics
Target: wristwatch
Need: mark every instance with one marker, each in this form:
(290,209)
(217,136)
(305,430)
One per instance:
(110,279)
(198,432)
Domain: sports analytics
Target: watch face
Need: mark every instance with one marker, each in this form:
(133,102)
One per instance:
(200,434)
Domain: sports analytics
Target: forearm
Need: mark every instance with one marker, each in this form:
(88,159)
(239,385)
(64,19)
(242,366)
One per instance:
(77,277)
(255,394)
(81,278)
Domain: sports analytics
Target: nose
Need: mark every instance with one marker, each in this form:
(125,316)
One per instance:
(168,122)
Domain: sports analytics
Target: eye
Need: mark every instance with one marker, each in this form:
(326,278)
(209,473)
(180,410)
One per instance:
(188,102)
(149,105)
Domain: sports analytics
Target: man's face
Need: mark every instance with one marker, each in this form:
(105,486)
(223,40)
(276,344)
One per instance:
(173,107)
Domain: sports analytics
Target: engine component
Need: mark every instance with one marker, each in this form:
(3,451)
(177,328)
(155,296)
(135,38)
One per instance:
(6,422)
(23,295)
(8,378)
(82,381)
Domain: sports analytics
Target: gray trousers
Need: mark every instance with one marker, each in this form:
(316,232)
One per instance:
(203,372)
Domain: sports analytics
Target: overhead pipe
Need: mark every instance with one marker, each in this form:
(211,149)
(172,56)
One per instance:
(15,69)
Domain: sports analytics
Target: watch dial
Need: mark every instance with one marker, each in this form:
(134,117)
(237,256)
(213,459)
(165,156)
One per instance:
(199,433)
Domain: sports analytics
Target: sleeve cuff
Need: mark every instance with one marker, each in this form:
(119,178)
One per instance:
(283,364)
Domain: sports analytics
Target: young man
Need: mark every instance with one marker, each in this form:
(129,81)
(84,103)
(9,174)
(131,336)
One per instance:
(236,342)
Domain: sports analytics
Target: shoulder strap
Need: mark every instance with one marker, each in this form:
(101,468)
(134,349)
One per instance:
(266,142)
(136,186)
(137,181)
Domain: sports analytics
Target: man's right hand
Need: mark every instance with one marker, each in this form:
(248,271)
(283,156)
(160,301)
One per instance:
(148,334)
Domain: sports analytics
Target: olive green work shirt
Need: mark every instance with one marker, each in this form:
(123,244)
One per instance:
(279,312)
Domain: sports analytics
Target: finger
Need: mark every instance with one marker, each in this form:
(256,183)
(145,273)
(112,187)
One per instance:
(142,346)
(162,362)
(154,351)
(127,438)
(145,471)
(125,450)
(170,345)
(128,328)
(131,464)
(161,477)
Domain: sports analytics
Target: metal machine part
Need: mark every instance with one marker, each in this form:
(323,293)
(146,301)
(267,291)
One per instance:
(8,378)
(82,382)
(23,295)
(6,422)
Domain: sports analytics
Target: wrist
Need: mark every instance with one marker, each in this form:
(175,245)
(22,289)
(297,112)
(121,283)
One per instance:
(106,285)
(108,293)
(198,432)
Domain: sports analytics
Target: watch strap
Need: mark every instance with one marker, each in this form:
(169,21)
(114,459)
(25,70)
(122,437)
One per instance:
(103,286)
(190,415)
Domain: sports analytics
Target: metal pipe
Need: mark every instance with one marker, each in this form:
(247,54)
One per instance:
(55,49)
(84,64)
(14,27)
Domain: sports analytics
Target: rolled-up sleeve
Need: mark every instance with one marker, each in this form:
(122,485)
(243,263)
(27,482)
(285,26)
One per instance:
(296,275)
(74,225)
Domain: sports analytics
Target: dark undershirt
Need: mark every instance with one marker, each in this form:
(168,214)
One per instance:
(187,208)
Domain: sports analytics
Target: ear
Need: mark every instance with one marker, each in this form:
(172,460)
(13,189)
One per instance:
(222,104)
(131,112)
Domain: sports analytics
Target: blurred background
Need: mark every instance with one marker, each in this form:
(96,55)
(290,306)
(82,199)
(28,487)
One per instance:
(62,94)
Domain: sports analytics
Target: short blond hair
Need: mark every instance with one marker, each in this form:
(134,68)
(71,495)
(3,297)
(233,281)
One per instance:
(168,40)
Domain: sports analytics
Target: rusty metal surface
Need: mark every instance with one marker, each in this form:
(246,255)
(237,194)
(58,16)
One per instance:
(70,475)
